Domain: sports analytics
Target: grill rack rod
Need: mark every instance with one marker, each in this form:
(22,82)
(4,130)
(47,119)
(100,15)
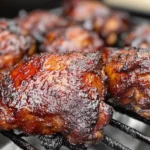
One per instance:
(18,140)
(106,140)
(113,144)
(130,131)
(26,146)
(129,113)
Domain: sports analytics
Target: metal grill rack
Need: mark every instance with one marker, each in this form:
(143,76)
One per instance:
(17,139)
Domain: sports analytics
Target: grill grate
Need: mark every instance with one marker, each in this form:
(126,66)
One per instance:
(129,113)
(132,132)
(114,144)
(18,140)
(26,146)
(106,139)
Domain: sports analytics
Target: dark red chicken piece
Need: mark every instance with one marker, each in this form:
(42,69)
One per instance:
(82,10)
(3,24)
(74,38)
(128,74)
(139,37)
(97,17)
(56,93)
(38,22)
(13,46)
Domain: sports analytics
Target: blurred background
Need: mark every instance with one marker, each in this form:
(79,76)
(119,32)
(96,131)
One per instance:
(10,8)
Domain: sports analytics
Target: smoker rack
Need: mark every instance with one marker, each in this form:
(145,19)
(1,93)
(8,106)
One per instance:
(20,142)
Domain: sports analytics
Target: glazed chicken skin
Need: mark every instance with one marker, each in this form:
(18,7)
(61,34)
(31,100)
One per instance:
(97,17)
(70,39)
(56,93)
(139,37)
(13,46)
(38,22)
(128,74)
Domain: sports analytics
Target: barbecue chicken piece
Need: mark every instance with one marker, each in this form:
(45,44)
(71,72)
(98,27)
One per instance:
(128,74)
(74,38)
(82,10)
(3,24)
(38,22)
(13,46)
(56,93)
(139,37)
(97,17)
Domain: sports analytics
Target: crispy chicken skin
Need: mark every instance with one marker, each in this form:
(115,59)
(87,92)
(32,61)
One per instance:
(13,46)
(138,37)
(56,93)
(97,17)
(128,74)
(39,22)
(74,38)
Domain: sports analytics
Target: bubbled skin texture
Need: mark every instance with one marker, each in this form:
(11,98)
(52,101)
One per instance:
(74,38)
(56,93)
(128,74)
(97,17)
(138,37)
(13,46)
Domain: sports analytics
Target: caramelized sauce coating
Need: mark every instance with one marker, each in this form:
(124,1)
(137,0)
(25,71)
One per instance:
(97,17)
(74,38)
(56,93)
(139,37)
(13,46)
(128,74)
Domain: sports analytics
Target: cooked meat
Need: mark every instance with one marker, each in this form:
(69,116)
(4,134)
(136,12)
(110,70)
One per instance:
(56,93)
(128,74)
(97,17)
(3,24)
(109,28)
(139,37)
(39,22)
(82,10)
(13,46)
(74,38)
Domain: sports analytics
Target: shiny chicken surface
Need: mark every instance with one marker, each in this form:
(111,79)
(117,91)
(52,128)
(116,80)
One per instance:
(97,17)
(56,93)
(139,37)
(74,38)
(128,74)
(13,46)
